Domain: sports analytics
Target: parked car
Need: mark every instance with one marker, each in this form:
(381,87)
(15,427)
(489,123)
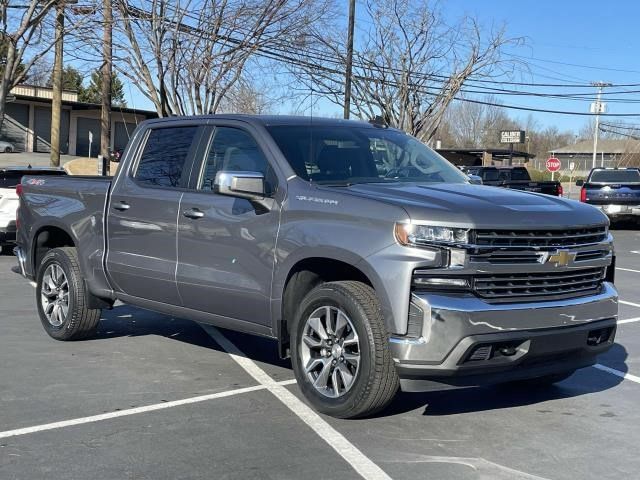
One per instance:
(7,147)
(516,178)
(9,179)
(285,227)
(616,191)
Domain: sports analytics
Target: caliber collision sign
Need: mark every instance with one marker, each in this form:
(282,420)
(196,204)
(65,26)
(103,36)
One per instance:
(512,136)
(553,164)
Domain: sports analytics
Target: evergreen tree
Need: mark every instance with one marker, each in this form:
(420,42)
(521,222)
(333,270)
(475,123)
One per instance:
(93,93)
(71,80)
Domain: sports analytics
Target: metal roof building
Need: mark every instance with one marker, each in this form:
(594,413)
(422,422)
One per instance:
(27,122)
(610,153)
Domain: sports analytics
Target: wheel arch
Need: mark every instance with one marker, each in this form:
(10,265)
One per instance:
(45,238)
(300,276)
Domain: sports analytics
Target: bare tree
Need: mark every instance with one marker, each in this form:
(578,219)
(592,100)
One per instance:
(475,125)
(187,57)
(26,37)
(410,66)
(21,29)
(40,73)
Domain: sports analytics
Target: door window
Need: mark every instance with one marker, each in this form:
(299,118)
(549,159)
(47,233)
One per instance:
(232,150)
(164,156)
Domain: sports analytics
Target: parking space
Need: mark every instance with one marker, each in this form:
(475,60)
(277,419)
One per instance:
(157,397)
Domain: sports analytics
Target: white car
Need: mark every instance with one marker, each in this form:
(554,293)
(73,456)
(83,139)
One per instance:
(9,178)
(7,147)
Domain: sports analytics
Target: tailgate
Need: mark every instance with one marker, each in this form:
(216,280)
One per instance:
(617,194)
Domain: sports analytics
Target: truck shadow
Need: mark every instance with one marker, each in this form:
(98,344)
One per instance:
(477,399)
(130,321)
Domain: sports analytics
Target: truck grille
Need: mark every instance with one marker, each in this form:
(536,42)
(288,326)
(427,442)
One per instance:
(540,238)
(506,257)
(520,286)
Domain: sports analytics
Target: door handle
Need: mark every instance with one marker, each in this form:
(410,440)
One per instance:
(122,206)
(193,213)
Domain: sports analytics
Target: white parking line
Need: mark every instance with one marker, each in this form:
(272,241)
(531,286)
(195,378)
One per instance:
(361,463)
(129,411)
(628,320)
(136,410)
(631,304)
(635,251)
(627,270)
(618,373)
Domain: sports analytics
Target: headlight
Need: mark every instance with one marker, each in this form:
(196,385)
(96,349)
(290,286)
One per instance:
(409,234)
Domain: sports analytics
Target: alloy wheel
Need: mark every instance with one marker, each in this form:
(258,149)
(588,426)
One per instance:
(54,295)
(330,351)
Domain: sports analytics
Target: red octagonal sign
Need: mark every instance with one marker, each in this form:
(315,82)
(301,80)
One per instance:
(553,164)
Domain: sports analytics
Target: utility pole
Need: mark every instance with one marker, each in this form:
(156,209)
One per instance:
(347,80)
(56,101)
(105,115)
(597,107)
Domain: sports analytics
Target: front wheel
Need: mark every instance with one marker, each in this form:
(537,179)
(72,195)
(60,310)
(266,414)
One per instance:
(340,351)
(7,149)
(61,295)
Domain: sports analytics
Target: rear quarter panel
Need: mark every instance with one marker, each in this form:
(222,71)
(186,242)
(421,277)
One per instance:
(75,205)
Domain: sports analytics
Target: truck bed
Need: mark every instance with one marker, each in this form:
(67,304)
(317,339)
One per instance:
(74,201)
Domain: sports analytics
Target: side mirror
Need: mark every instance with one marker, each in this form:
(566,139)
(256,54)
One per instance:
(249,185)
(579,183)
(474,179)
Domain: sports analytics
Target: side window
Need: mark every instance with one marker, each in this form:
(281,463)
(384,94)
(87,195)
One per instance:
(231,149)
(164,156)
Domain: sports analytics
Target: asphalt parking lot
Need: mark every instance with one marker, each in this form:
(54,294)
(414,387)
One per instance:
(153,397)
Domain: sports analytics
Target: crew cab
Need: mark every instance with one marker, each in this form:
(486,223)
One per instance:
(290,228)
(516,178)
(9,179)
(616,191)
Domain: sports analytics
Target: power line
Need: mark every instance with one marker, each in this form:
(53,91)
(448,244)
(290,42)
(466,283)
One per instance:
(284,55)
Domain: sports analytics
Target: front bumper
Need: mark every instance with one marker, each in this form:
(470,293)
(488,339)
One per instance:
(540,337)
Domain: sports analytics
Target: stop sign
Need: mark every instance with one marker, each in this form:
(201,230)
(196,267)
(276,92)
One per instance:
(553,164)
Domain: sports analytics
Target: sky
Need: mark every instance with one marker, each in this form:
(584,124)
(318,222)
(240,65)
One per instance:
(565,42)
(569,41)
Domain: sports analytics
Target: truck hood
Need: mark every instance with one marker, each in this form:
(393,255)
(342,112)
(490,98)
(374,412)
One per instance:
(480,206)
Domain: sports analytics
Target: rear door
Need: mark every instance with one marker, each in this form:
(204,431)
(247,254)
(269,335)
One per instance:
(143,213)
(225,244)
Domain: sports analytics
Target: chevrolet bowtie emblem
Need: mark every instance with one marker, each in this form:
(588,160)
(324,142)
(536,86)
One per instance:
(562,258)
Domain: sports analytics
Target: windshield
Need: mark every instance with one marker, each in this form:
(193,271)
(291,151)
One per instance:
(346,155)
(631,175)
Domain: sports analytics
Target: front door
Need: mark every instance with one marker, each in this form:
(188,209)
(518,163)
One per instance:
(226,245)
(143,215)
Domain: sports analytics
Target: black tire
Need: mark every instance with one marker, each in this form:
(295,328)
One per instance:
(7,149)
(80,321)
(541,382)
(376,381)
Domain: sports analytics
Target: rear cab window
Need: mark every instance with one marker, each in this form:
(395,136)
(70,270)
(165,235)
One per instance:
(164,157)
(631,175)
(520,174)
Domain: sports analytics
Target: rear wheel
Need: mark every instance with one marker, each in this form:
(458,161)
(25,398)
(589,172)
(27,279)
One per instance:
(340,351)
(61,297)
(7,149)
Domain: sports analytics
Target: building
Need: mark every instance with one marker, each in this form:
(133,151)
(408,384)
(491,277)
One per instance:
(484,156)
(27,122)
(578,158)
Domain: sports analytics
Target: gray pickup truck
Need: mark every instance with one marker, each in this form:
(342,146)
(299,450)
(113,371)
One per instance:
(290,228)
